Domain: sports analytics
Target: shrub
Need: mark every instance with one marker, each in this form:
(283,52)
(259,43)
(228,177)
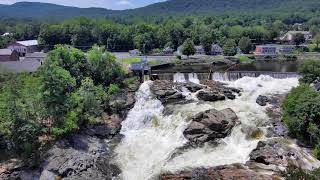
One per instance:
(113,89)
(302,112)
(310,70)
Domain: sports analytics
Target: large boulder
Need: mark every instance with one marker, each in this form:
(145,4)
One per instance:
(165,91)
(226,172)
(210,126)
(262,100)
(277,154)
(211,96)
(122,102)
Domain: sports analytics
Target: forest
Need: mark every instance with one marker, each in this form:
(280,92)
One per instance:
(123,34)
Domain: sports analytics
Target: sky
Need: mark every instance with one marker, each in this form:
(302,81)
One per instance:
(109,4)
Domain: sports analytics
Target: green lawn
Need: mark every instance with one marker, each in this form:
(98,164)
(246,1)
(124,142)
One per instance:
(243,57)
(131,60)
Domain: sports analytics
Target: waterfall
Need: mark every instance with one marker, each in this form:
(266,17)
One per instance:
(179,77)
(150,137)
(193,77)
(235,75)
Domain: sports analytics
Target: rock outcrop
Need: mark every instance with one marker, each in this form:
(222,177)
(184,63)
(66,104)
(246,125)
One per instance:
(210,96)
(84,155)
(276,155)
(227,172)
(262,100)
(164,90)
(171,92)
(210,126)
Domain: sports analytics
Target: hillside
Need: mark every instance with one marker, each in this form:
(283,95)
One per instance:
(171,7)
(220,6)
(47,10)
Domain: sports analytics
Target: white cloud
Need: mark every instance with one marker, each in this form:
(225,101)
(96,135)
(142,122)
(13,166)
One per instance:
(124,3)
(110,4)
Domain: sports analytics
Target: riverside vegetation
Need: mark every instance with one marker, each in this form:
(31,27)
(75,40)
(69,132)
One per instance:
(302,114)
(69,91)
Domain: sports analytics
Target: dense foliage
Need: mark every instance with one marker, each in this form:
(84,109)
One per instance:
(302,107)
(310,70)
(70,90)
(172,7)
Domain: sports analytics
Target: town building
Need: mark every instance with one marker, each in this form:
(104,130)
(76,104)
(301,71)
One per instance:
(6,34)
(167,51)
(36,56)
(216,50)
(199,49)
(289,36)
(24,47)
(8,55)
(135,52)
(269,49)
(285,49)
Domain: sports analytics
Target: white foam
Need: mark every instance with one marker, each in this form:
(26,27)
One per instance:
(151,138)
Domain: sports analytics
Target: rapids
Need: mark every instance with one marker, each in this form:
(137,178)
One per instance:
(150,137)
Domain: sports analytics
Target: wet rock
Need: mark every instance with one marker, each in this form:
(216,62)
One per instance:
(122,102)
(262,100)
(211,96)
(192,87)
(165,92)
(210,126)
(227,172)
(276,154)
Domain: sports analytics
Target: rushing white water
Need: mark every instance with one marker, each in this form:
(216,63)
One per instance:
(193,77)
(151,138)
(179,77)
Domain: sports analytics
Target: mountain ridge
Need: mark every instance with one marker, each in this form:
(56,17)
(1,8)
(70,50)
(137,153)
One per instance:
(170,7)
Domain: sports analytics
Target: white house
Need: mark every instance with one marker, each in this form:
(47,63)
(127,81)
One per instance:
(290,35)
(216,50)
(24,47)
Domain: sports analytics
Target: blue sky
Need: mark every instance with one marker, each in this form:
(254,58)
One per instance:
(109,4)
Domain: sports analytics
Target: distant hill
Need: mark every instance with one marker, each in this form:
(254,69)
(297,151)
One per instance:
(222,6)
(170,7)
(47,10)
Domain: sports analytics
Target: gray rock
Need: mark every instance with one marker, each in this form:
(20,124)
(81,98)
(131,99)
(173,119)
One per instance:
(165,91)
(211,96)
(122,101)
(277,154)
(226,172)
(210,126)
(262,100)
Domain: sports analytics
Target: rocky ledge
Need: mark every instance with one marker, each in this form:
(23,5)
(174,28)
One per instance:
(172,92)
(227,172)
(84,155)
(210,126)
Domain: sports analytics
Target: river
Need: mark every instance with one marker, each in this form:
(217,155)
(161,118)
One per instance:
(151,137)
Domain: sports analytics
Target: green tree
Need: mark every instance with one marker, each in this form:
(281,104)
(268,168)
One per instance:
(298,39)
(104,69)
(310,70)
(229,48)
(302,111)
(188,48)
(245,44)
(316,40)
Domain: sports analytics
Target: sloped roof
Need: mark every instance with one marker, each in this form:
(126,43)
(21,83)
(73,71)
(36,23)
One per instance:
(20,66)
(28,43)
(5,52)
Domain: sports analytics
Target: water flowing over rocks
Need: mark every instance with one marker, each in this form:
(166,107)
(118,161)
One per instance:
(210,125)
(172,92)
(226,172)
